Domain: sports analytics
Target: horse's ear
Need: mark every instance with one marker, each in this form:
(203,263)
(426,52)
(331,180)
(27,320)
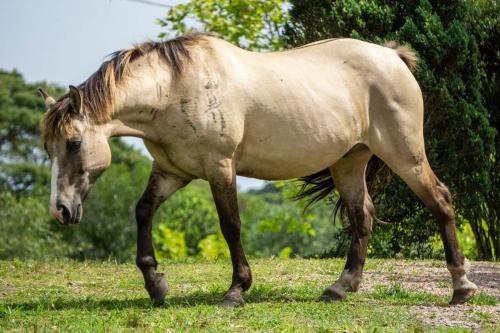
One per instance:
(75,99)
(49,101)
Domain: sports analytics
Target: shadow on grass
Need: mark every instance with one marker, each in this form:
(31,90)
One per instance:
(393,295)
(256,295)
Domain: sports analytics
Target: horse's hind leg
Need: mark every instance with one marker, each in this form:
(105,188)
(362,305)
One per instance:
(349,177)
(409,161)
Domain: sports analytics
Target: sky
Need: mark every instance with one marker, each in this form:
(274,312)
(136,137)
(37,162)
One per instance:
(65,41)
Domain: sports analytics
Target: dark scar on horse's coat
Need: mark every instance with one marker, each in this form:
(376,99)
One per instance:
(184,101)
(211,84)
(158,90)
(183,106)
(154,112)
(190,123)
(222,123)
(212,99)
(213,102)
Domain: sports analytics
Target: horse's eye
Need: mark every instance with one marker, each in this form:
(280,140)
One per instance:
(73,146)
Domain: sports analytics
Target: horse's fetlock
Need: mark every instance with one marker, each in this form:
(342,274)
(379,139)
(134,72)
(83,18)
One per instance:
(349,280)
(244,278)
(246,284)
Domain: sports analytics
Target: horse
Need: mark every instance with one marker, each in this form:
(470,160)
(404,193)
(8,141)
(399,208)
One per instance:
(207,109)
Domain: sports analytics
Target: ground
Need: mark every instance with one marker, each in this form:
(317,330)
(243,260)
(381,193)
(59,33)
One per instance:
(93,296)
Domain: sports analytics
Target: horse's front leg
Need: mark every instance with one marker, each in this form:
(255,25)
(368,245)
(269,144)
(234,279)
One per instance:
(160,187)
(222,180)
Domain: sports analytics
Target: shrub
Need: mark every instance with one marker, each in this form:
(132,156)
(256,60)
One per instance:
(26,231)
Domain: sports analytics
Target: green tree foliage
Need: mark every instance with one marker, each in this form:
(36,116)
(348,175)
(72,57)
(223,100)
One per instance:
(192,212)
(252,24)
(21,150)
(271,222)
(213,246)
(485,20)
(170,243)
(25,230)
(457,68)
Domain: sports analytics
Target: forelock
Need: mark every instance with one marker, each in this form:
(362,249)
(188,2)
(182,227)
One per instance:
(57,121)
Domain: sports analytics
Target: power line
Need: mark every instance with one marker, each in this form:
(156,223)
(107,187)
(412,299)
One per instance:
(151,3)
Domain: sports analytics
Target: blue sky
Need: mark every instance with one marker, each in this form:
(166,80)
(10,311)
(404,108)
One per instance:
(64,41)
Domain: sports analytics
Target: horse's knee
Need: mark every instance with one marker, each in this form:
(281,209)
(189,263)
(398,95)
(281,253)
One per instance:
(145,262)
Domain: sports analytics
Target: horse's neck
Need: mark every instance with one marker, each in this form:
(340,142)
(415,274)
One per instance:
(139,97)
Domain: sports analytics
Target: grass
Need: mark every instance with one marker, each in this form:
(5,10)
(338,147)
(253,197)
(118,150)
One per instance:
(74,296)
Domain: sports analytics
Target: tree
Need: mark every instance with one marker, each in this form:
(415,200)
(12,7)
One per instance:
(255,25)
(21,151)
(459,125)
(485,22)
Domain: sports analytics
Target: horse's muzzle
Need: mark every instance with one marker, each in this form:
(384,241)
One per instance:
(67,216)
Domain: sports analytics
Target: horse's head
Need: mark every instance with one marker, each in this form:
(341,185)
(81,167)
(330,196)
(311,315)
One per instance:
(79,152)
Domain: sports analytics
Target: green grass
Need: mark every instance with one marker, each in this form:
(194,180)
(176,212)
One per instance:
(74,296)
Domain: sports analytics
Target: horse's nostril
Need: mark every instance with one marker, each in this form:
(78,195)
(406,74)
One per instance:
(65,213)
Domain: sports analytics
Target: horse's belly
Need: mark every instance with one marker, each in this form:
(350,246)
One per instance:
(283,168)
(293,149)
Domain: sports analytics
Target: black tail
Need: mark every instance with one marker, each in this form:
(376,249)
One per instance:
(320,184)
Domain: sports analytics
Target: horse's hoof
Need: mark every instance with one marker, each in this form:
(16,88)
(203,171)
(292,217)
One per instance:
(231,302)
(333,295)
(158,290)
(462,295)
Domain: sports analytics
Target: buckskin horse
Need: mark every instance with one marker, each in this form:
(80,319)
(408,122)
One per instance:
(209,110)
